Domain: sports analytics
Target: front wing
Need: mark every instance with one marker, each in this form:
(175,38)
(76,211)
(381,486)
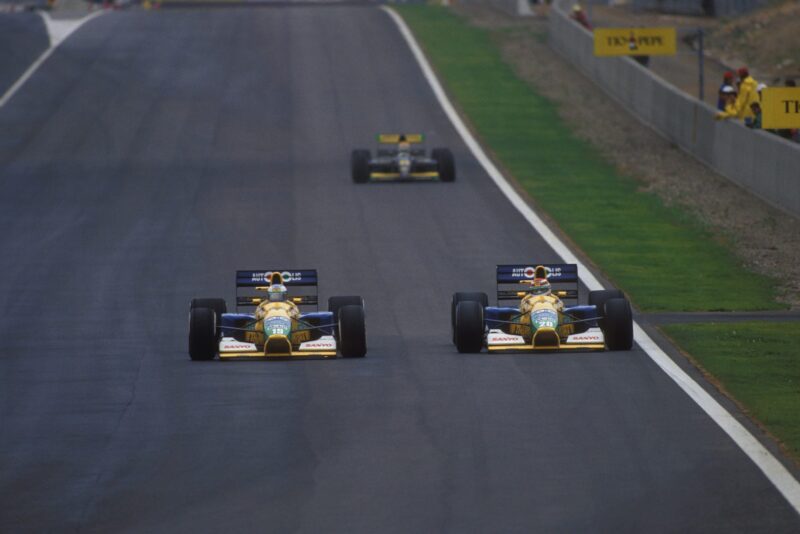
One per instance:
(422,170)
(275,348)
(499,341)
(396,176)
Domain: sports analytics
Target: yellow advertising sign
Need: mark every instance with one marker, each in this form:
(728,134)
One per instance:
(635,41)
(780,107)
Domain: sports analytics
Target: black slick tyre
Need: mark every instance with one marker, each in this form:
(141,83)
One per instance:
(599,298)
(352,332)
(445,164)
(464,296)
(618,324)
(359,166)
(218,305)
(202,334)
(469,327)
(336,303)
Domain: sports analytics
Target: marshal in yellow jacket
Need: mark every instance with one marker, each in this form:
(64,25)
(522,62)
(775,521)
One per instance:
(748,93)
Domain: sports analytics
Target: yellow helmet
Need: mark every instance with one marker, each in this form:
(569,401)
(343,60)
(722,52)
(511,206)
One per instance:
(540,286)
(277,293)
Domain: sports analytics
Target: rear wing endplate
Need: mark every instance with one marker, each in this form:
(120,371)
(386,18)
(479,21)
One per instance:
(511,279)
(301,284)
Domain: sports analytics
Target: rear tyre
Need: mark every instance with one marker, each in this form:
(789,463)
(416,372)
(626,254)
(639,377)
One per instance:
(469,326)
(599,298)
(359,166)
(464,296)
(202,334)
(618,328)
(445,164)
(218,305)
(352,331)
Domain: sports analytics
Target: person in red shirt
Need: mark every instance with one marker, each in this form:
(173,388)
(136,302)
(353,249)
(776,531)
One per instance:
(580,16)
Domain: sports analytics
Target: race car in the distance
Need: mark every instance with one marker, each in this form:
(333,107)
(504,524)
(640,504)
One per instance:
(276,328)
(541,321)
(401,157)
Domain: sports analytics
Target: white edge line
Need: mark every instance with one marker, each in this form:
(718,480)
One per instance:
(42,58)
(780,477)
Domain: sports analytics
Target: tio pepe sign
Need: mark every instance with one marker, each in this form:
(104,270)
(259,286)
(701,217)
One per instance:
(634,41)
(780,108)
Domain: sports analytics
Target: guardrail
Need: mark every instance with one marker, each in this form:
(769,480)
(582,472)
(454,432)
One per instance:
(763,163)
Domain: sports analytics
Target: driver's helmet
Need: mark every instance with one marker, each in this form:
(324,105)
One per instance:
(540,286)
(402,144)
(277,293)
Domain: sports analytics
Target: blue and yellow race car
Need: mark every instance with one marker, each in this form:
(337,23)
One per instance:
(277,328)
(401,158)
(541,321)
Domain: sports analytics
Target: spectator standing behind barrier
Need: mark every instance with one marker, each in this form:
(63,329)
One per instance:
(748,94)
(580,15)
(760,87)
(728,100)
(754,122)
(722,99)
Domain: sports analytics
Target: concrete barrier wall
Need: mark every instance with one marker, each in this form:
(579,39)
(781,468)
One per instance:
(760,162)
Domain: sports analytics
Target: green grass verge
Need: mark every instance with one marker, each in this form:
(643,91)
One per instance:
(659,255)
(757,363)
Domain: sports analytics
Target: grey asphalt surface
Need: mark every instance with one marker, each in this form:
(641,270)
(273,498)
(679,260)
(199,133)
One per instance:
(23,38)
(156,153)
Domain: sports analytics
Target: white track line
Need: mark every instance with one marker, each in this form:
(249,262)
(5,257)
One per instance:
(769,465)
(57,32)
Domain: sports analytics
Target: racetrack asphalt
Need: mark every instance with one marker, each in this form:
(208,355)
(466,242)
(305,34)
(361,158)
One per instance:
(153,155)
(23,37)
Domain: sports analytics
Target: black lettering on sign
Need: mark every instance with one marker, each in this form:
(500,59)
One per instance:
(791,106)
(650,41)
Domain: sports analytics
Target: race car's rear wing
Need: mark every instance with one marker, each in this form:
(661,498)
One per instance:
(393,139)
(301,284)
(563,277)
